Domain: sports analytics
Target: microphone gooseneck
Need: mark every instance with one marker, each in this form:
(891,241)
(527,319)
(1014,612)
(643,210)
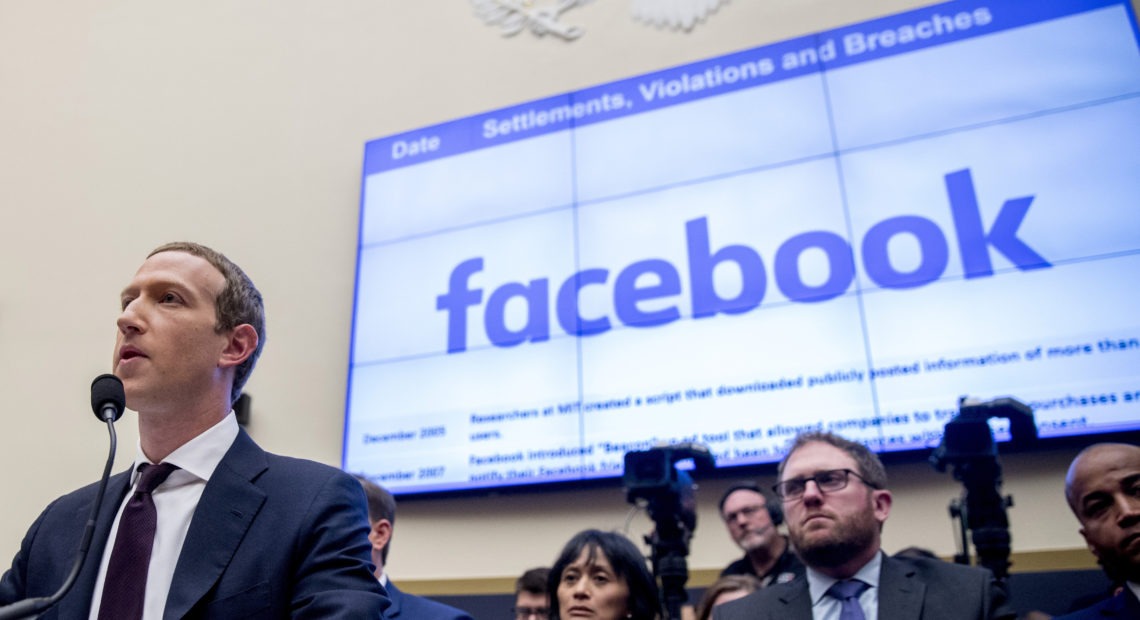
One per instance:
(108,401)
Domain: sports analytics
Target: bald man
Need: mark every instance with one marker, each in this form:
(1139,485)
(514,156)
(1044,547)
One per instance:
(1103,490)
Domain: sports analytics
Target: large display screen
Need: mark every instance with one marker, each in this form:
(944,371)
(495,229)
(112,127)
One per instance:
(845,231)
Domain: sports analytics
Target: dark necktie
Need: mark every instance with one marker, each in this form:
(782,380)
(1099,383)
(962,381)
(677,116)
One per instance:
(848,594)
(124,587)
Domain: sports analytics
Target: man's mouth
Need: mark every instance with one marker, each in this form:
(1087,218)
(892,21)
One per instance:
(129,353)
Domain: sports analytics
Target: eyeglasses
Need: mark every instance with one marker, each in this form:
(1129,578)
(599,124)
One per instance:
(526,613)
(746,512)
(828,482)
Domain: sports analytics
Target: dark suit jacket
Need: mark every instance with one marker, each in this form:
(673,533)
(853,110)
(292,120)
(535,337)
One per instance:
(272,537)
(1123,605)
(411,607)
(909,589)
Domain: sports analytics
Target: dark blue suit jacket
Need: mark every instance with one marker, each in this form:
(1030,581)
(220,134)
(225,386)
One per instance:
(1123,605)
(272,537)
(411,607)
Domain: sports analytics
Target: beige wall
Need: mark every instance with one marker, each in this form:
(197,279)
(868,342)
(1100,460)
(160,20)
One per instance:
(241,124)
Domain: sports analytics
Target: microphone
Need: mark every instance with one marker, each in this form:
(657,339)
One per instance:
(108,398)
(107,401)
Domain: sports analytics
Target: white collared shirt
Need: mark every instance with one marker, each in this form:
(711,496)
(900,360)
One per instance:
(175,501)
(824,607)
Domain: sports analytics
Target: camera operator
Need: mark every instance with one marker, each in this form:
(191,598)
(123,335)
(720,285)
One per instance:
(752,516)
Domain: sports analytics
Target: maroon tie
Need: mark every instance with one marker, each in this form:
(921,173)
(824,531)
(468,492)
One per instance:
(124,587)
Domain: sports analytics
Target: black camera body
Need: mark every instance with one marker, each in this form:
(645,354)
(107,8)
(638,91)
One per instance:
(652,476)
(968,445)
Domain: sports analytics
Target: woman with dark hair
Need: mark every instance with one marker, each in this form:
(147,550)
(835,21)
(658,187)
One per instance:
(602,576)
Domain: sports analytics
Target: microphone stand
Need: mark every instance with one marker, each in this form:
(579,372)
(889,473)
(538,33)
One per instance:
(32,607)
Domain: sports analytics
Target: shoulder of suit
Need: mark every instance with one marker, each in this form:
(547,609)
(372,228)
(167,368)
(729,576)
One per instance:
(424,606)
(941,569)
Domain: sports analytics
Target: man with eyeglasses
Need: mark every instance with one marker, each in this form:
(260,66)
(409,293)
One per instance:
(752,515)
(835,502)
(531,599)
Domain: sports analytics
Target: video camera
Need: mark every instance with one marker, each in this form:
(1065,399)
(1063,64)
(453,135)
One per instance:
(652,477)
(968,445)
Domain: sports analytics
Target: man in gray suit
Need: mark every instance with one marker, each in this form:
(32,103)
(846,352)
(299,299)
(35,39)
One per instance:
(835,503)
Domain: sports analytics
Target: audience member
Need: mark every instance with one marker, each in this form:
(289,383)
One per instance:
(382,516)
(215,527)
(532,601)
(752,515)
(835,501)
(1103,490)
(602,576)
(727,588)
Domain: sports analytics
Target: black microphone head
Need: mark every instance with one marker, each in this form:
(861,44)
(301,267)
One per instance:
(108,398)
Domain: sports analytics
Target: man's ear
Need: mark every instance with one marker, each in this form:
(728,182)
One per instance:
(380,534)
(881,503)
(241,344)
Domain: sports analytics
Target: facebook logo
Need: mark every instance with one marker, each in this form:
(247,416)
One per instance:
(641,290)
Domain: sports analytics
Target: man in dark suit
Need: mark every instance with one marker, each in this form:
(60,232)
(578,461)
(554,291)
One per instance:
(237,532)
(382,515)
(835,503)
(1103,490)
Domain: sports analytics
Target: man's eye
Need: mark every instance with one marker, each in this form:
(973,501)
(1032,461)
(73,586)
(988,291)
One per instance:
(169,298)
(1093,509)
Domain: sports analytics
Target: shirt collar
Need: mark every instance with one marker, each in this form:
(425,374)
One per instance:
(200,456)
(818,583)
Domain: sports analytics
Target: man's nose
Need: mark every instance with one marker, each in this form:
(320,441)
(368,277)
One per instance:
(1129,507)
(812,492)
(130,319)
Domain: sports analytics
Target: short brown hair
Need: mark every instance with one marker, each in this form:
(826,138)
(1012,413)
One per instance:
(381,505)
(533,581)
(871,469)
(239,303)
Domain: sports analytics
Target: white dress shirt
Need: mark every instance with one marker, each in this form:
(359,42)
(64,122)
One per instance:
(175,501)
(824,607)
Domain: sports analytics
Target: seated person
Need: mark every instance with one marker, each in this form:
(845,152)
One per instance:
(603,576)
(725,589)
(836,501)
(382,515)
(1103,491)
(532,602)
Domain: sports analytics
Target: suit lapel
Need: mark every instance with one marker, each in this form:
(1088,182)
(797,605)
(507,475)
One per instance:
(77,603)
(229,504)
(900,590)
(797,600)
